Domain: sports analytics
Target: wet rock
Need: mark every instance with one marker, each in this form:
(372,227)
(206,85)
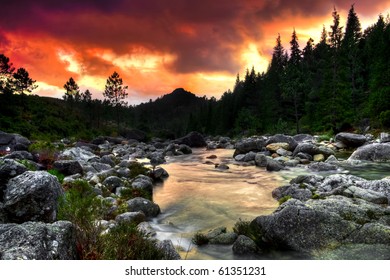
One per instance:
(87,146)
(366,194)
(332,160)
(185,149)
(38,241)
(372,152)
(149,208)
(108,159)
(273,165)
(244,245)
(215,232)
(261,160)
(307,148)
(146,229)
(351,139)
(221,166)
(130,217)
(31,196)
(273,147)
(226,238)
(100,167)
(249,144)
(193,139)
(156,158)
(281,138)
(318,157)
(168,249)
(305,156)
(294,191)
(68,167)
(283,152)
(303,138)
(322,166)
(249,157)
(159,174)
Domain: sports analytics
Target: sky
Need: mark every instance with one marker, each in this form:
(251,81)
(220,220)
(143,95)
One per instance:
(159,45)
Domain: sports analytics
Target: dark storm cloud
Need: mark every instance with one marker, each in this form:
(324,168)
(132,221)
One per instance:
(203,35)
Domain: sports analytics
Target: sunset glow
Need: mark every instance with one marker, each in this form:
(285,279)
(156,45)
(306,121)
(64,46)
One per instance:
(157,46)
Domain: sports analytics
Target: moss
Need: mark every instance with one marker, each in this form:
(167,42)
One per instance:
(315,196)
(30,166)
(58,174)
(284,199)
(242,227)
(136,169)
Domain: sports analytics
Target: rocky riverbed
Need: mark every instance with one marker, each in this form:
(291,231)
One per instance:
(322,216)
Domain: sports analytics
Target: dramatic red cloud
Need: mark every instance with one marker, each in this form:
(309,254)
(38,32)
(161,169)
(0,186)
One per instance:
(156,45)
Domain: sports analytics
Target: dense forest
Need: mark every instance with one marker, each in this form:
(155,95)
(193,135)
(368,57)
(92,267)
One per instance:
(340,83)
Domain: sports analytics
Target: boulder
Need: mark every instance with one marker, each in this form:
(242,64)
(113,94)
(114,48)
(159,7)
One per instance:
(78,154)
(366,194)
(193,139)
(319,157)
(20,155)
(261,160)
(273,147)
(135,134)
(146,229)
(307,148)
(322,166)
(9,168)
(159,174)
(68,167)
(226,238)
(185,149)
(281,138)
(168,249)
(244,245)
(372,152)
(351,139)
(149,208)
(108,159)
(112,183)
(273,165)
(38,241)
(130,217)
(303,138)
(87,146)
(31,196)
(249,145)
(143,182)
(294,191)
(13,142)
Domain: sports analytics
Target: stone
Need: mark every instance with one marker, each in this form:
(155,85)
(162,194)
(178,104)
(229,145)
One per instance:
(249,145)
(38,241)
(68,167)
(307,148)
(146,229)
(9,168)
(377,152)
(108,159)
(13,142)
(159,174)
(185,149)
(281,138)
(226,238)
(143,182)
(367,195)
(87,146)
(168,249)
(273,165)
(294,191)
(332,160)
(78,154)
(244,245)
(303,138)
(283,152)
(130,217)
(351,139)
(112,183)
(319,157)
(32,196)
(261,160)
(156,158)
(221,166)
(149,208)
(273,147)
(249,157)
(215,232)
(19,155)
(322,166)
(99,167)
(193,139)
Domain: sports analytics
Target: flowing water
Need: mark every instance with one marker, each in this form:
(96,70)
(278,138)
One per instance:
(198,197)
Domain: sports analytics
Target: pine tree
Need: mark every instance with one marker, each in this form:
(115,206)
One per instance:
(115,93)
(22,83)
(6,71)
(72,91)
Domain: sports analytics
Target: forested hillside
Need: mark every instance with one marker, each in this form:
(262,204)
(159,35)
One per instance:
(340,83)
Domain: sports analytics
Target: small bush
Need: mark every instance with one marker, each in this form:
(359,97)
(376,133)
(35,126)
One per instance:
(125,242)
(200,239)
(30,166)
(58,174)
(242,227)
(284,199)
(129,193)
(136,169)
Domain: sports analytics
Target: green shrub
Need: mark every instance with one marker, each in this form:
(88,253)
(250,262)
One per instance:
(129,193)
(242,227)
(200,239)
(136,169)
(58,174)
(125,242)
(29,165)
(284,199)
(315,196)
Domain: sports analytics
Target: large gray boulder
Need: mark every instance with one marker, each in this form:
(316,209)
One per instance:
(372,152)
(13,142)
(78,154)
(38,241)
(244,245)
(143,182)
(281,138)
(149,208)
(307,148)
(351,139)
(321,224)
(68,167)
(168,249)
(249,145)
(9,168)
(31,196)
(193,139)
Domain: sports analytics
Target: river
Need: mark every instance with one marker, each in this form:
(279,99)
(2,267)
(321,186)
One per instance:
(197,197)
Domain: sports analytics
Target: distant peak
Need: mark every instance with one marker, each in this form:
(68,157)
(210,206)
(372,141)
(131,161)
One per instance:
(180,91)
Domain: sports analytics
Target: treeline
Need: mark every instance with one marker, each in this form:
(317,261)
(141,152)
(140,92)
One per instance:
(340,83)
